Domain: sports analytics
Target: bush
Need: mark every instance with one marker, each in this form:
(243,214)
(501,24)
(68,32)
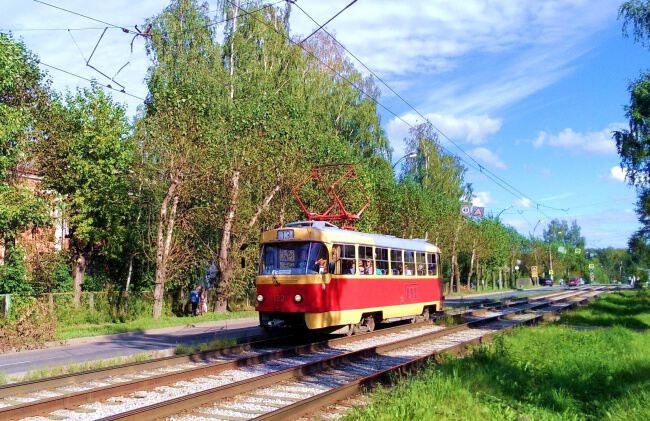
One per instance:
(50,273)
(14,278)
(30,324)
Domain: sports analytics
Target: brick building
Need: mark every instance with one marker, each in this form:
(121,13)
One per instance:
(40,240)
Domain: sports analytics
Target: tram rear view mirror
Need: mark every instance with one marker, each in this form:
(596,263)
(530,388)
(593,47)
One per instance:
(243,262)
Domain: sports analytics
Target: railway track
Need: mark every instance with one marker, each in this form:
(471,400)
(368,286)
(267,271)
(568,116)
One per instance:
(264,379)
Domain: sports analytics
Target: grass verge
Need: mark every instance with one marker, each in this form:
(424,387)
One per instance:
(45,372)
(550,372)
(205,346)
(629,309)
(82,330)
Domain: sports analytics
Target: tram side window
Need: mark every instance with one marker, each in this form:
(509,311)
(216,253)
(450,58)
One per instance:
(345,259)
(432,264)
(409,262)
(381,257)
(365,261)
(421,264)
(396,263)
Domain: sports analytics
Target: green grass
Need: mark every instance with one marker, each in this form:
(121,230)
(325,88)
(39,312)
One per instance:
(206,346)
(551,372)
(629,309)
(81,330)
(45,372)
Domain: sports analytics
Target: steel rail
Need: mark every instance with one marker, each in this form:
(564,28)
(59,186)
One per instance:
(360,385)
(46,405)
(30,386)
(191,401)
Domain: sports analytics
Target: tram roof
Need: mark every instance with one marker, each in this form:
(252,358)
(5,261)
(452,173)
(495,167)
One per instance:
(332,233)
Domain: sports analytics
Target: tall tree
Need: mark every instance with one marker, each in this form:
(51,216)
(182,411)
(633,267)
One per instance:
(23,98)
(633,144)
(86,158)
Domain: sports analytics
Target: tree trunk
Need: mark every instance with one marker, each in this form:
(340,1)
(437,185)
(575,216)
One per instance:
(78,272)
(471,265)
(232,51)
(163,243)
(455,271)
(225,268)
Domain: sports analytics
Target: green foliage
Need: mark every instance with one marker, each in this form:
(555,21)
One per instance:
(626,309)
(50,273)
(14,278)
(636,20)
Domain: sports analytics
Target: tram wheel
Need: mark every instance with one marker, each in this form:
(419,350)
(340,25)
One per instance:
(369,323)
(425,314)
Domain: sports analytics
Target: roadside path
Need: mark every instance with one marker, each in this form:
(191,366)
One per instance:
(85,349)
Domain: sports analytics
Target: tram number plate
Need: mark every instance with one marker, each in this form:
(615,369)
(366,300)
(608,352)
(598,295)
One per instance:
(285,235)
(411,292)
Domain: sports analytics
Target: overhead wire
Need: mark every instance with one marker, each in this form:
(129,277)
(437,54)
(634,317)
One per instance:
(476,167)
(91,80)
(505,185)
(482,169)
(472,163)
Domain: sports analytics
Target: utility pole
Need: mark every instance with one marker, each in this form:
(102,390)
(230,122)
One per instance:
(550,260)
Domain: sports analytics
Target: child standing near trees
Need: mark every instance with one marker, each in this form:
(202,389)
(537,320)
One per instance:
(203,301)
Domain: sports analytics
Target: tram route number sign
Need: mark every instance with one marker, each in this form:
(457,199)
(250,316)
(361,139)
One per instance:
(285,235)
(533,271)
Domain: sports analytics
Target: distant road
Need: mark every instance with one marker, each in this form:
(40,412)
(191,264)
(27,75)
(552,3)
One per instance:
(476,298)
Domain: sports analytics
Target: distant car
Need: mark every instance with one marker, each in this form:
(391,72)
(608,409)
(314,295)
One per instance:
(548,282)
(574,282)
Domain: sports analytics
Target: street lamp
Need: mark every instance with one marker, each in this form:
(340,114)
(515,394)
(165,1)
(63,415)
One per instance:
(409,155)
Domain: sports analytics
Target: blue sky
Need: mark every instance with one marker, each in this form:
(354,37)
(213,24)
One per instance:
(531,90)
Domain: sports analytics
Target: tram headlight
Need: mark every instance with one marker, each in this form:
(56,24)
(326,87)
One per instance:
(297,298)
(260,298)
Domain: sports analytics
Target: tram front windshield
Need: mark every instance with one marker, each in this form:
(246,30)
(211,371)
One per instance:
(293,258)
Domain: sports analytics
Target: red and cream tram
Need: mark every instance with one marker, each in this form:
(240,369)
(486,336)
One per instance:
(316,275)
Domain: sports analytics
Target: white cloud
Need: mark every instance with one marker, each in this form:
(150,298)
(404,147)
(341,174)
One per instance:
(481,198)
(487,156)
(516,48)
(599,142)
(618,174)
(472,129)
(524,202)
